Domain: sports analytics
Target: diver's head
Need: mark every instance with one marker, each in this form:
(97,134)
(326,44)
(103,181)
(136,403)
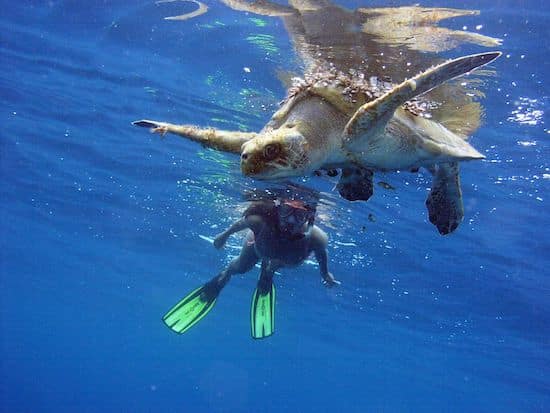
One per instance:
(294,216)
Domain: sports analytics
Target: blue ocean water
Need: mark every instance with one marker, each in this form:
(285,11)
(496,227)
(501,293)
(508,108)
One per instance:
(105,227)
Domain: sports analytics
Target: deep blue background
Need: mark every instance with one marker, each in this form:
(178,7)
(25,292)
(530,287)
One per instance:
(101,227)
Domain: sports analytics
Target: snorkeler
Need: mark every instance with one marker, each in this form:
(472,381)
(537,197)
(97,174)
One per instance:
(281,234)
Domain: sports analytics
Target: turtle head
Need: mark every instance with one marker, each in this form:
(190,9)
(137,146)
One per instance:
(280,153)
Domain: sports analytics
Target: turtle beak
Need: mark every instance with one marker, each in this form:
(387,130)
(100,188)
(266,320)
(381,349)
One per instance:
(253,167)
(252,160)
(249,166)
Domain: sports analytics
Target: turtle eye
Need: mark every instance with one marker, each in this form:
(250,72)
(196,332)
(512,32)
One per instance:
(271,151)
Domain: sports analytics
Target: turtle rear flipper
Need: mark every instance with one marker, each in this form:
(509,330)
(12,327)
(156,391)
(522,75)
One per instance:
(356,184)
(371,118)
(445,207)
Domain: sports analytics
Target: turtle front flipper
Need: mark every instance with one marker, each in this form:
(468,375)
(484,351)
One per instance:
(371,118)
(445,207)
(226,141)
(356,184)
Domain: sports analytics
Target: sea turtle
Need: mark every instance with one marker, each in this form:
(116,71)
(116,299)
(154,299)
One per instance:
(348,112)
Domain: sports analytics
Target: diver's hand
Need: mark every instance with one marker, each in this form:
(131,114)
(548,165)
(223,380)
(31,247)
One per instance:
(330,281)
(220,240)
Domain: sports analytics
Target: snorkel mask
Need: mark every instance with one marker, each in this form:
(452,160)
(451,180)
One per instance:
(293,215)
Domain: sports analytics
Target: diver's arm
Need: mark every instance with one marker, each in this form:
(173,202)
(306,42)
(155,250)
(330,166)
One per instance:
(251,222)
(221,239)
(319,241)
(322,259)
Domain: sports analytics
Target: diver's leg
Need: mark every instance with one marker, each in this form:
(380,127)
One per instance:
(247,259)
(243,263)
(266,275)
(193,307)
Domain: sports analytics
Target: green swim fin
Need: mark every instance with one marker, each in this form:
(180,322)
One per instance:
(192,308)
(262,313)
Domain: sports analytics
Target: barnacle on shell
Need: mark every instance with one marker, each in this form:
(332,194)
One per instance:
(355,88)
